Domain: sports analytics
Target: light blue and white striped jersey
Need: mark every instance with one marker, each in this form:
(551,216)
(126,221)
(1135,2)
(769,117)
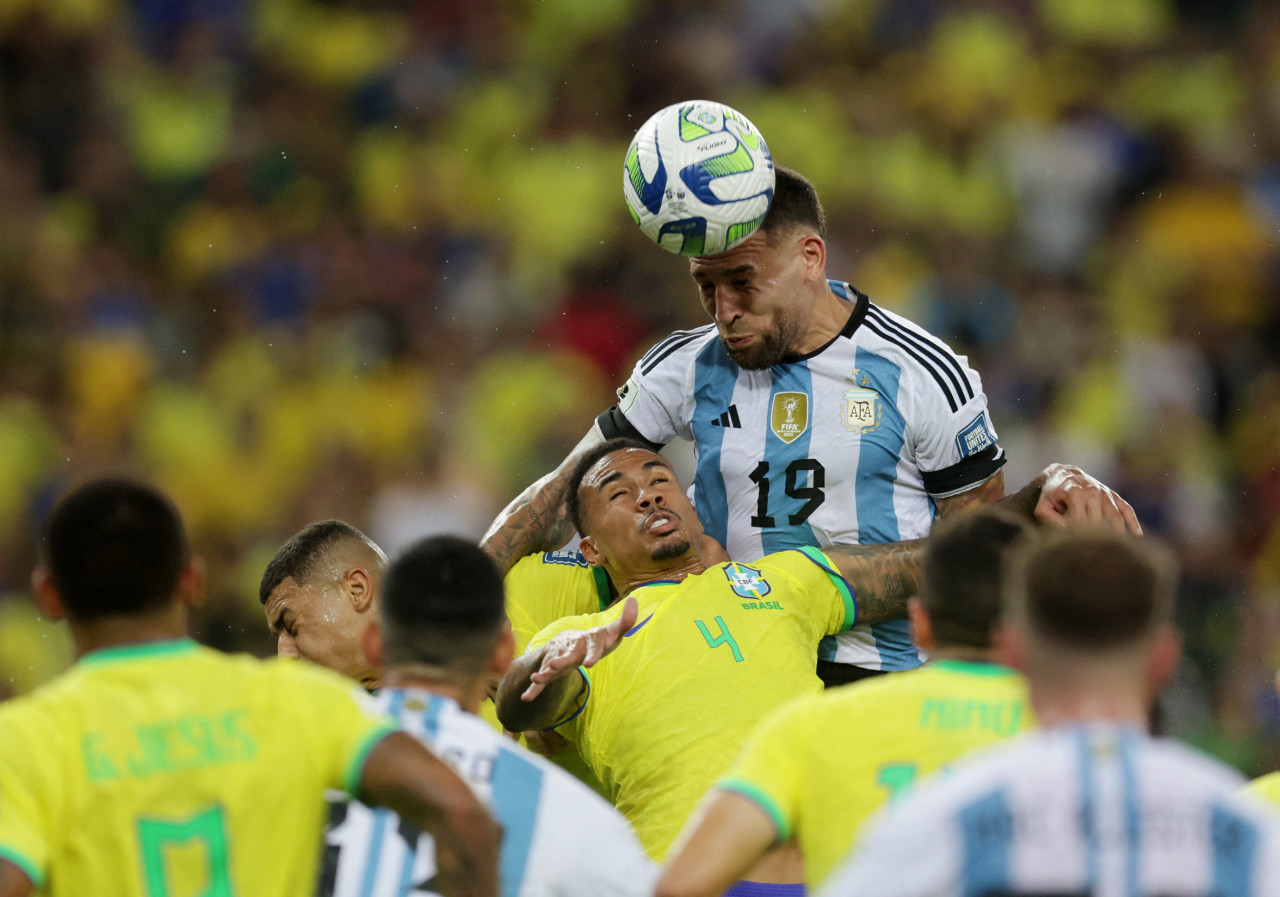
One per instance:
(559,838)
(1099,810)
(846,445)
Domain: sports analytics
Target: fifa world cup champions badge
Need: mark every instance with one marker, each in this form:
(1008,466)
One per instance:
(790,415)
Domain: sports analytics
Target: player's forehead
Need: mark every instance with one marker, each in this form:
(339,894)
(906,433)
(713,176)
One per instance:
(745,259)
(622,463)
(288,596)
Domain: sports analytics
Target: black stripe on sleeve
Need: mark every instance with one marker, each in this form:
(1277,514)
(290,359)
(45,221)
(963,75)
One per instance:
(668,345)
(965,474)
(938,353)
(614,425)
(873,325)
(648,366)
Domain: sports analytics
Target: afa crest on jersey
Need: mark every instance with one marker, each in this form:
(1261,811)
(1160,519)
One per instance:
(790,415)
(746,581)
(861,410)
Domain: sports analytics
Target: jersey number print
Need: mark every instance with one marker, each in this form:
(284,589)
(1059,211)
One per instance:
(798,485)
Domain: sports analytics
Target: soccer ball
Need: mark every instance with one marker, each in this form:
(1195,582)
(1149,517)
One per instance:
(698,178)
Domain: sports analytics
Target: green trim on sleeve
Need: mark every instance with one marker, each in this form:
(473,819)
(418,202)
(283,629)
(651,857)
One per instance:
(28,867)
(842,586)
(355,769)
(753,793)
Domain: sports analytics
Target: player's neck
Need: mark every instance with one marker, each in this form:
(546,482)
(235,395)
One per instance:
(1077,706)
(828,315)
(164,625)
(630,580)
(438,680)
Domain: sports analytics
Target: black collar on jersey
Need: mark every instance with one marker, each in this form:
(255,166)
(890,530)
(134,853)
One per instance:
(850,326)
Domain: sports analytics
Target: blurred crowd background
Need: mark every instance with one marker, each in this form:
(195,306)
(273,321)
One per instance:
(369,259)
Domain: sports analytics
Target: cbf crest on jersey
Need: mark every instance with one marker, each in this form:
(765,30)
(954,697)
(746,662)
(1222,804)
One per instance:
(790,416)
(746,581)
(862,408)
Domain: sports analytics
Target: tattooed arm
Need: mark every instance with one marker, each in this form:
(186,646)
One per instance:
(538,518)
(883,577)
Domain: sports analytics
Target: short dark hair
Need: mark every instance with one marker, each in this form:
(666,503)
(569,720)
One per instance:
(1093,590)
(963,571)
(584,464)
(795,204)
(298,557)
(114,547)
(442,604)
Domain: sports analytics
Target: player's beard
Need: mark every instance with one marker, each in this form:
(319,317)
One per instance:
(774,345)
(673,548)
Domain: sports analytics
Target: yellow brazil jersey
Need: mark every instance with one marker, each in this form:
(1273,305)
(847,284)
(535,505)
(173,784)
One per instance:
(1266,787)
(668,709)
(168,768)
(820,766)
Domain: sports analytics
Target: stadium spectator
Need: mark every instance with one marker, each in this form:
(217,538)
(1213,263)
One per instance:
(152,742)
(440,636)
(788,782)
(820,419)
(710,655)
(1090,803)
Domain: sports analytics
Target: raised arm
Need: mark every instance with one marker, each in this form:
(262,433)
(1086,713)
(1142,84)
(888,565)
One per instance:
(13,881)
(538,518)
(541,687)
(404,776)
(1061,495)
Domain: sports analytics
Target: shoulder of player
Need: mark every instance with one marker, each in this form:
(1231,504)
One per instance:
(918,354)
(680,346)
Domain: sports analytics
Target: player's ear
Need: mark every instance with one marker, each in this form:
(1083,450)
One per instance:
(191,582)
(503,652)
(921,626)
(1009,645)
(589,551)
(1166,651)
(360,588)
(814,251)
(371,644)
(46,594)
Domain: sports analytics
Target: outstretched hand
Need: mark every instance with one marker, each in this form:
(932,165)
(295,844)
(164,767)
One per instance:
(580,647)
(1071,497)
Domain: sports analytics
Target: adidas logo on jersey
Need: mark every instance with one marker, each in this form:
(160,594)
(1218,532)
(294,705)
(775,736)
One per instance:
(728,419)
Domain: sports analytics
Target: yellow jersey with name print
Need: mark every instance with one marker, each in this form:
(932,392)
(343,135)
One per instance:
(667,711)
(167,768)
(819,767)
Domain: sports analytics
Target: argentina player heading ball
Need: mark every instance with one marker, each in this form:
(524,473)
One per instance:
(698,178)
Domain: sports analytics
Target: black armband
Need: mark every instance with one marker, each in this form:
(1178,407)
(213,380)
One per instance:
(964,475)
(613,424)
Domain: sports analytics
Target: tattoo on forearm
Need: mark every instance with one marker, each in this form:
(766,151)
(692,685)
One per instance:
(536,521)
(883,576)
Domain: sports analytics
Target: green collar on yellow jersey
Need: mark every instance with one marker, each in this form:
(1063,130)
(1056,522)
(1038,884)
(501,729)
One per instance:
(604,589)
(139,651)
(976,667)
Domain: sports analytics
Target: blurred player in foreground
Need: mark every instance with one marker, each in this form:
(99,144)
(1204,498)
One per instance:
(1090,804)
(788,782)
(702,652)
(440,637)
(818,419)
(156,766)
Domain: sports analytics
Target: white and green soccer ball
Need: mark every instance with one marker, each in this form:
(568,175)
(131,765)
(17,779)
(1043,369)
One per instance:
(698,178)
